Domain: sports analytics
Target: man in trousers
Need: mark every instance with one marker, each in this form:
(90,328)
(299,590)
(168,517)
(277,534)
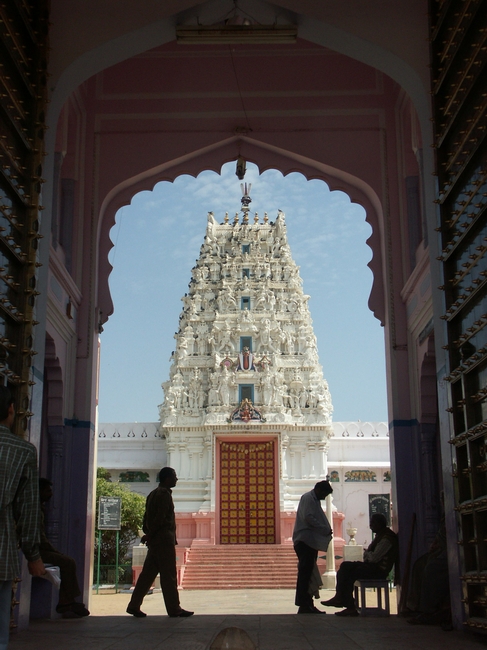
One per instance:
(160,536)
(312,533)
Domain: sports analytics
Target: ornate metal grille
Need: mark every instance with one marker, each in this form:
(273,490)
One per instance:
(459,85)
(23,91)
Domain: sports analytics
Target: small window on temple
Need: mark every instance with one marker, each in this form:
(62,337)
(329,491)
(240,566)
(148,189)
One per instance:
(245,248)
(245,342)
(246,391)
(246,273)
(245,303)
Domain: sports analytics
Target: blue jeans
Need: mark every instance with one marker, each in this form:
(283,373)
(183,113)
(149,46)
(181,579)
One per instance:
(5,604)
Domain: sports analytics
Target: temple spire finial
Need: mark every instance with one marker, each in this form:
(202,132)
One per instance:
(246,200)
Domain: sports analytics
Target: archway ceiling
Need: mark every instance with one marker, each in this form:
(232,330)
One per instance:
(164,104)
(398,26)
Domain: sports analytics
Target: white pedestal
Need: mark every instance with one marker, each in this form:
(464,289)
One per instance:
(353,553)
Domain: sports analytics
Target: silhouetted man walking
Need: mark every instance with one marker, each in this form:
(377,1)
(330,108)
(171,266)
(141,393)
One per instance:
(160,536)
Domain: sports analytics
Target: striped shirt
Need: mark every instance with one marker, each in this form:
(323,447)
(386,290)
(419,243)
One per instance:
(19,503)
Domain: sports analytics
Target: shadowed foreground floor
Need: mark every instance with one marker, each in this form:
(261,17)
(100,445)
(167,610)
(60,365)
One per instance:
(268,616)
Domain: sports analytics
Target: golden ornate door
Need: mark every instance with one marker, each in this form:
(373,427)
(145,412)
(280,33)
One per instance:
(247,493)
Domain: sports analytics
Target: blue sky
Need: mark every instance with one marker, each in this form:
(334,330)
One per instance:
(156,243)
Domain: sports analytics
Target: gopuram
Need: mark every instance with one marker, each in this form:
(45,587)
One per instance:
(247,414)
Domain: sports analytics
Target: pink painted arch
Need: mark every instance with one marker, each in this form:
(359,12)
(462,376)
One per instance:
(265,156)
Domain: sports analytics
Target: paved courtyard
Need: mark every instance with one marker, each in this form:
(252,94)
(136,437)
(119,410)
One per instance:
(268,617)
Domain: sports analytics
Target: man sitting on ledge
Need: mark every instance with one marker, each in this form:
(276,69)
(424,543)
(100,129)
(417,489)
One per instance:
(69,588)
(379,558)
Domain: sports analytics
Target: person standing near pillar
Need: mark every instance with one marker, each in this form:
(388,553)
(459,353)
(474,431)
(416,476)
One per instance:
(312,533)
(159,527)
(19,510)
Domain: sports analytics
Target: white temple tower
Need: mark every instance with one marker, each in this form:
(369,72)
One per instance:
(247,412)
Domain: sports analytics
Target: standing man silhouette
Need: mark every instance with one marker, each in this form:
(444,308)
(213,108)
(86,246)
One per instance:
(160,536)
(312,533)
(19,510)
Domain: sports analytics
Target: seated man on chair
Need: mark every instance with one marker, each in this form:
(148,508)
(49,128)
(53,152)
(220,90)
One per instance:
(69,588)
(379,558)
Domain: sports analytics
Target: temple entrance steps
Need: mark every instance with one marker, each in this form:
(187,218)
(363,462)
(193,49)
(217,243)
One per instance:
(240,566)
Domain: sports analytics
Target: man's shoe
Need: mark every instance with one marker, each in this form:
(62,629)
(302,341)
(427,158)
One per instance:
(72,610)
(60,609)
(135,612)
(333,602)
(80,609)
(183,613)
(68,613)
(349,611)
(309,609)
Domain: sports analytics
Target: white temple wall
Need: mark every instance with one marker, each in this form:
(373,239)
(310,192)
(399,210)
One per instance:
(356,458)
(132,447)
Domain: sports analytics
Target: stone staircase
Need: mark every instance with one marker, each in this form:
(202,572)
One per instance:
(240,566)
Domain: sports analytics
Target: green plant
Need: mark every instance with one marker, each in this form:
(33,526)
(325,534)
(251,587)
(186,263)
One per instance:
(133,506)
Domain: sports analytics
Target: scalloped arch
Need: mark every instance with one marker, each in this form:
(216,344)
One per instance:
(266,157)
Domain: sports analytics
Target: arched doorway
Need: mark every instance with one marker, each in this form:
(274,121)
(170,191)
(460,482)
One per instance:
(368,135)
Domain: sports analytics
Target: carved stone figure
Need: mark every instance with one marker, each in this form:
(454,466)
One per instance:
(287,337)
(265,334)
(214,271)
(193,390)
(195,306)
(258,270)
(201,397)
(302,338)
(224,386)
(213,393)
(296,387)
(266,384)
(207,298)
(281,302)
(226,301)
(189,337)
(201,343)
(211,227)
(260,299)
(278,390)
(276,247)
(177,389)
(280,224)
(182,349)
(222,339)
